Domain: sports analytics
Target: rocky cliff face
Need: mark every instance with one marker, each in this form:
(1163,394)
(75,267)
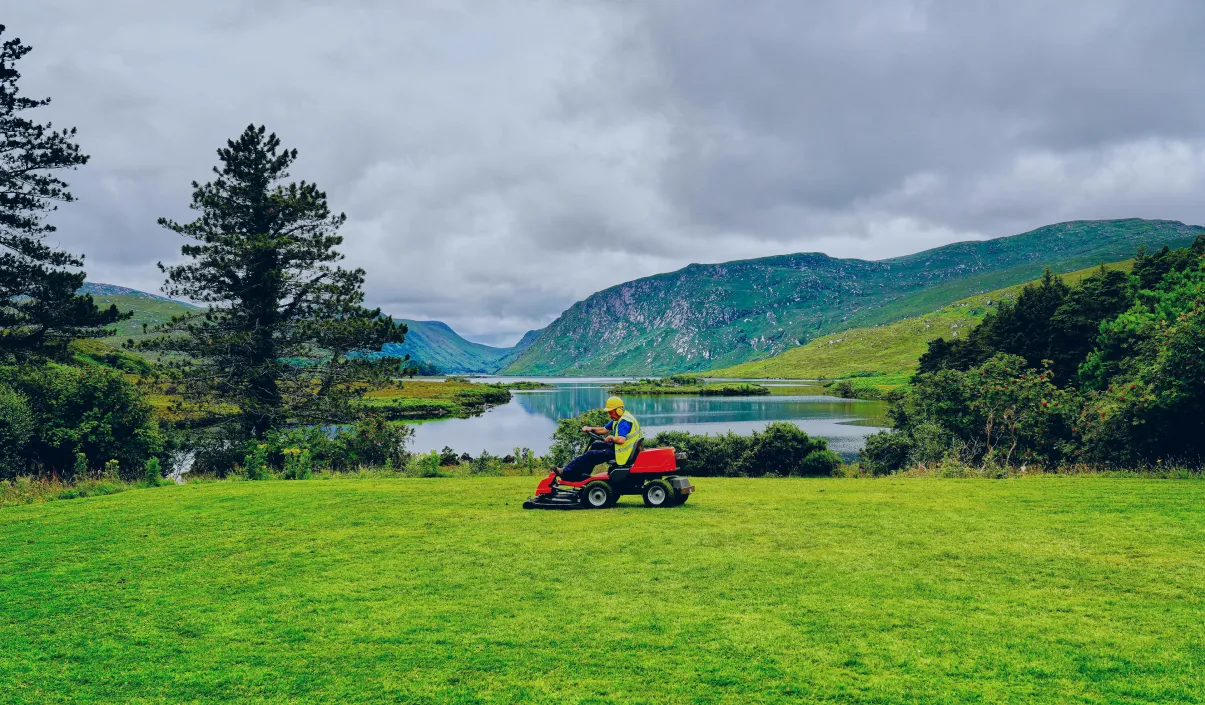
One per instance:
(716,315)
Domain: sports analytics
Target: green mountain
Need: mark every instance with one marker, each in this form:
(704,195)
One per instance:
(711,316)
(893,349)
(434,342)
(148,308)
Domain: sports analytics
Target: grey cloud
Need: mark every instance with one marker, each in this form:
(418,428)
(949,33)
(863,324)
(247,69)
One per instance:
(500,160)
(829,106)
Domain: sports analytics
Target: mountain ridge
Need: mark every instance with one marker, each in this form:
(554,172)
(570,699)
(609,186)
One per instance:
(432,342)
(705,316)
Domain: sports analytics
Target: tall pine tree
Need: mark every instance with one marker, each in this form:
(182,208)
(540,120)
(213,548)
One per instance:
(284,335)
(40,311)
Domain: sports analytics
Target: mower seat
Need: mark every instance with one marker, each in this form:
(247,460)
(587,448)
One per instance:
(631,458)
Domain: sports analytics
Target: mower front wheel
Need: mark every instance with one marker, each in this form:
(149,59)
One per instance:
(598,495)
(658,493)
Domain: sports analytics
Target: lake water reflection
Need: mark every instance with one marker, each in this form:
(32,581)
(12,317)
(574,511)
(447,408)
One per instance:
(529,419)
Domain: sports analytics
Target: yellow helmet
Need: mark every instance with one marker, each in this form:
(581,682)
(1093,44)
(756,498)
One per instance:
(614,403)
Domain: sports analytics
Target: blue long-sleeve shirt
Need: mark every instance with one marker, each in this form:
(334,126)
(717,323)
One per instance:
(625,427)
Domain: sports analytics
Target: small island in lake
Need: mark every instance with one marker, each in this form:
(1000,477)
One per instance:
(526,385)
(689,384)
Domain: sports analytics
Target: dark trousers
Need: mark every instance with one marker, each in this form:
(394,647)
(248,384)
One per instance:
(579,468)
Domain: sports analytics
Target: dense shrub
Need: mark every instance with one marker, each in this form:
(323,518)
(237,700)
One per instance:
(819,463)
(152,472)
(91,411)
(1001,412)
(371,442)
(1121,382)
(686,380)
(16,428)
(1048,321)
(886,452)
(843,389)
(782,449)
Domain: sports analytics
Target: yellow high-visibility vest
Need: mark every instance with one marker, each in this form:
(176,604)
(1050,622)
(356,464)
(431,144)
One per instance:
(624,451)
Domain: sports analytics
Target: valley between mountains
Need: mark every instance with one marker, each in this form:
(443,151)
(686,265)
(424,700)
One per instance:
(802,315)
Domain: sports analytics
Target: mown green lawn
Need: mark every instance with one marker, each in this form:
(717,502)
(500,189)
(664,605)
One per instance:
(756,591)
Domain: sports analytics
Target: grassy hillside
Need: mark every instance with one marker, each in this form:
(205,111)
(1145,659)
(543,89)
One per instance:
(147,309)
(891,349)
(713,316)
(1047,590)
(433,342)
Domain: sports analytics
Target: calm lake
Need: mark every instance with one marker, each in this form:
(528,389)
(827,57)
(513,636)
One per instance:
(530,418)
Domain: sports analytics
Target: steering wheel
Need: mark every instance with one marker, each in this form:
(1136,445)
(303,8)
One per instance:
(594,436)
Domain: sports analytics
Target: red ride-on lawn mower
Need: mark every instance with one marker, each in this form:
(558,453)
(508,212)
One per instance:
(649,473)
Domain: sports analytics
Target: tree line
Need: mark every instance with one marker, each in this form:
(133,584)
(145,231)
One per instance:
(1108,372)
(283,339)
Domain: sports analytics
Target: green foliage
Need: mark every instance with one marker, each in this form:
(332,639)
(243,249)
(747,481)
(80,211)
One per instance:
(484,464)
(887,354)
(526,460)
(1141,393)
(425,464)
(686,380)
(29,490)
(1151,269)
(526,385)
(255,462)
(568,441)
(418,368)
(1048,321)
(16,428)
(86,351)
(152,472)
(284,337)
(843,389)
(1147,377)
(1002,412)
(372,442)
(40,311)
(455,397)
(692,385)
(298,465)
(886,452)
(820,463)
(734,312)
(782,449)
(89,410)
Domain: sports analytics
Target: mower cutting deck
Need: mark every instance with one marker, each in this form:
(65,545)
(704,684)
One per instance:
(651,474)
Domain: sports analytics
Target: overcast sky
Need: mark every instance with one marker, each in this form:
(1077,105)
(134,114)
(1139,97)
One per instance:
(500,159)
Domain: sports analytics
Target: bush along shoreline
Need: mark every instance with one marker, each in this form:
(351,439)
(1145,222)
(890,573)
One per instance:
(1106,374)
(689,385)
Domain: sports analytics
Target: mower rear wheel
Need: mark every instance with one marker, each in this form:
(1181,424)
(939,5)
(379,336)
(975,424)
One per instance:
(658,493)
(598,495)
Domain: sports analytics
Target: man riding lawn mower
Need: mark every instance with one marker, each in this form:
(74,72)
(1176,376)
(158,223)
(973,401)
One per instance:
(631,470)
